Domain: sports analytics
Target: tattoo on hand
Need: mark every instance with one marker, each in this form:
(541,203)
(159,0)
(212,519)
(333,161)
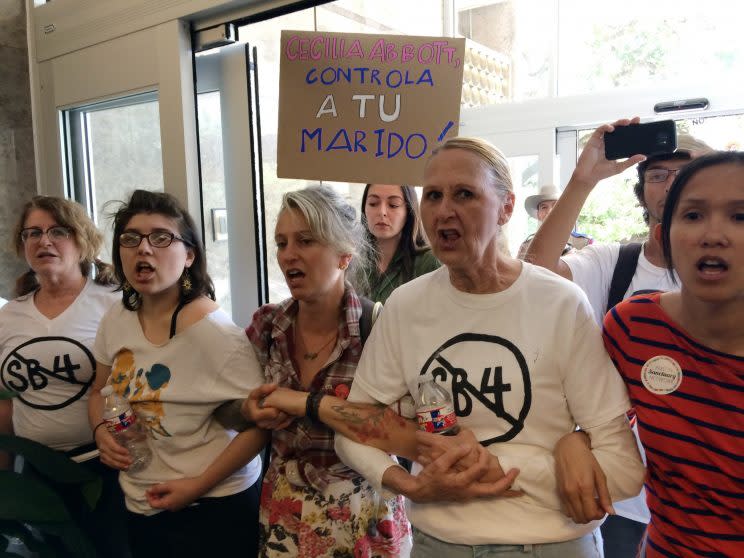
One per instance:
(366,424)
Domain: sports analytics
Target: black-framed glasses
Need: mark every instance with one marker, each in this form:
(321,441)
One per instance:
(158,239)
(55,234)
(659,175)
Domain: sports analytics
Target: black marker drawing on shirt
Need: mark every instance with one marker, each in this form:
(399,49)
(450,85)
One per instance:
(499,368)
(23,373)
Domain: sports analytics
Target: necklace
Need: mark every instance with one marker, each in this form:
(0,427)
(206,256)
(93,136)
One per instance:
(313,355)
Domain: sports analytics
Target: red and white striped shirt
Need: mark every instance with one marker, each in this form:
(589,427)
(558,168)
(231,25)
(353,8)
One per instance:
(689,400)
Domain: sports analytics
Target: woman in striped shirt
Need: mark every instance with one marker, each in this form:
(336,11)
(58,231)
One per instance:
(681,355)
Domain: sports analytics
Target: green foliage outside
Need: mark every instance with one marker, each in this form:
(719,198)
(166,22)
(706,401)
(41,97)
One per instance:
(630,51)
(633,51)
(612,214)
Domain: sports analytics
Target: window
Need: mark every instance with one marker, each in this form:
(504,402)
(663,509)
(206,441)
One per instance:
(112,148)
(611,212)
(517,50)
(521,35)
(358,16)
(663,41)
(524,179)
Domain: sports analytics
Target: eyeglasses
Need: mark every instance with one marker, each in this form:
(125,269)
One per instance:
(659,175)
(158,239)
(55,234)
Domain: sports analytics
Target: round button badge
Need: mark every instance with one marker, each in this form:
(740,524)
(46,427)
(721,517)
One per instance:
(661,375)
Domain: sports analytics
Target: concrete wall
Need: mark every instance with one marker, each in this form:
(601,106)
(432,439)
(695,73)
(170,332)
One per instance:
(17,175)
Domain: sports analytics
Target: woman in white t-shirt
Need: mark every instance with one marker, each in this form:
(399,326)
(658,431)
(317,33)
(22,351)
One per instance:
(521,356)
(46,337)
(171,351)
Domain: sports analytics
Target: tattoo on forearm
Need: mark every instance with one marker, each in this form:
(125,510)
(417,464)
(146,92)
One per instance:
(369,423)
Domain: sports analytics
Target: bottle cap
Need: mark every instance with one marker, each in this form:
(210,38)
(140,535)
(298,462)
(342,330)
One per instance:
(107,390)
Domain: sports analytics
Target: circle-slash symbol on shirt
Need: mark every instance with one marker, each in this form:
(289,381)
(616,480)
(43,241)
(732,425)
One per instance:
(48,372)
(661,375)
(484,373)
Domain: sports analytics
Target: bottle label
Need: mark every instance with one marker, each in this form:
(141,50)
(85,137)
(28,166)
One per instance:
(437,419)
(121,422)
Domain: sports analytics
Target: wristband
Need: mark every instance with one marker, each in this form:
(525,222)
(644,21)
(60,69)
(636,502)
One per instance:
(97,427)
(312,405)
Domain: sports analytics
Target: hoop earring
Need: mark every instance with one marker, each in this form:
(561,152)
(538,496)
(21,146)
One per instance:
(130,297)
(186,285)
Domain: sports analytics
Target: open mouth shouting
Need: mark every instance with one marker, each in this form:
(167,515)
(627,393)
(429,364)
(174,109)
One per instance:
(447,238)
(712,267)
(144,271)
(294,277)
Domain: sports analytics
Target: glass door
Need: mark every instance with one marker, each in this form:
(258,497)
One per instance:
(532,162)
(611,212)
(232,177)
(217,72)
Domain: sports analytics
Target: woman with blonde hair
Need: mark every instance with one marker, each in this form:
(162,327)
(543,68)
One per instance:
(521,356)
(311,503)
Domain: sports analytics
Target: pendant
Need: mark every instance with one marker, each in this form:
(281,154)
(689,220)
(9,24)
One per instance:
(310,356)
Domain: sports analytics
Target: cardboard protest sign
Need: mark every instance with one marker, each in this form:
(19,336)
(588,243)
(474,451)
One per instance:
(365,108)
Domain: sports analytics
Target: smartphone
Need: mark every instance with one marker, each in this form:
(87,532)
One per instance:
(652,138)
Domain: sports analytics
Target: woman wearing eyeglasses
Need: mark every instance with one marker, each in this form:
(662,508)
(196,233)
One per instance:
(46,336)
(171,351)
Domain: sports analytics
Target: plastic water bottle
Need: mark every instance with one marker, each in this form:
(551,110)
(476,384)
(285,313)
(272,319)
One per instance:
(122,423)
(435,410)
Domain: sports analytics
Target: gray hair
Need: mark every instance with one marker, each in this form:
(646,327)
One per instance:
(332,221)
(494,160)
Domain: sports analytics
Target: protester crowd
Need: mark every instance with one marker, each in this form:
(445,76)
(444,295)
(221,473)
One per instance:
(596,389)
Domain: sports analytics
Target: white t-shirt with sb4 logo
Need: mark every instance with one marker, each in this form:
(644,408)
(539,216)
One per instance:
(49,363)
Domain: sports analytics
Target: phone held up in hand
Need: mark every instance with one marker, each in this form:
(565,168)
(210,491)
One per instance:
(647,139)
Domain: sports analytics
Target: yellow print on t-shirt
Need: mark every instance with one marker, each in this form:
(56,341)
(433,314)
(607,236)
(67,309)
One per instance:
(142,388)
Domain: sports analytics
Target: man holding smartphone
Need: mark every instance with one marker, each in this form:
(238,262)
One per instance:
(609,273)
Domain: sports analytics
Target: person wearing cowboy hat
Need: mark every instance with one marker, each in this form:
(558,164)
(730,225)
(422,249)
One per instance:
(538,206)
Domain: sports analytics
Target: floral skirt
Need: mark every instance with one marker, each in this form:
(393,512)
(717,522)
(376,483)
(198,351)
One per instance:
(347,519)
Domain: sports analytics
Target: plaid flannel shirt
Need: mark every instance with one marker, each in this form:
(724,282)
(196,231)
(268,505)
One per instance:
(309,444)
